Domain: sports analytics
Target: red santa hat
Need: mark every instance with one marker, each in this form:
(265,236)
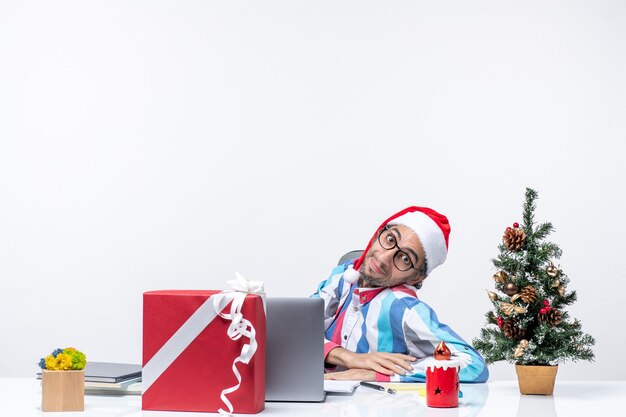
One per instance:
(431,228)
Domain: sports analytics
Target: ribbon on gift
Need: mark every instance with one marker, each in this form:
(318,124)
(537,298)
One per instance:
(239,326)
(198,321)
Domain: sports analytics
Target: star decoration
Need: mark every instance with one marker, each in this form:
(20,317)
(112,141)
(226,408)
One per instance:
(438,390)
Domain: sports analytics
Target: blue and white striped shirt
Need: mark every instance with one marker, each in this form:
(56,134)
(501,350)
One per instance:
(392,320)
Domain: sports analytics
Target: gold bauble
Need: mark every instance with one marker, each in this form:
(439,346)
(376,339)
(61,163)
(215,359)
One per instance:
(510,289)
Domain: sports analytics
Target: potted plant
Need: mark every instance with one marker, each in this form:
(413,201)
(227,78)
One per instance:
(528,324)
(63,380)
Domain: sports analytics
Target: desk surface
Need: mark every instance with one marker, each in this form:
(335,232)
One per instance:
(22,397)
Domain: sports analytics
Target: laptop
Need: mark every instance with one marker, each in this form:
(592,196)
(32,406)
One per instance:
(295,349)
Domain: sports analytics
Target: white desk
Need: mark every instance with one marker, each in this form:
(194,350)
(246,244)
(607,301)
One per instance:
(21,397)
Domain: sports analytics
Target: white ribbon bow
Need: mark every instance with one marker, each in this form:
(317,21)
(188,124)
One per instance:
(238,327)
(243,284)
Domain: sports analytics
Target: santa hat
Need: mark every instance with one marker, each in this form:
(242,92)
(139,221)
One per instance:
(431,228)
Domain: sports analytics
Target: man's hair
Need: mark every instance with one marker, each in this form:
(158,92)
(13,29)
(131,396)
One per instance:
(421,273)
(423,270)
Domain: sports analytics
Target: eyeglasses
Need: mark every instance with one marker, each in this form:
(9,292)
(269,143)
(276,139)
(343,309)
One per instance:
(401,260)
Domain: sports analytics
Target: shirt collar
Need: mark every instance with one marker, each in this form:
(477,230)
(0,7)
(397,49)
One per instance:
(367,294)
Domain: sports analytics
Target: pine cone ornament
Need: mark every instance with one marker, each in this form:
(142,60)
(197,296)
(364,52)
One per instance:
(514,238)
(528,294)
(512,330)
(552,317)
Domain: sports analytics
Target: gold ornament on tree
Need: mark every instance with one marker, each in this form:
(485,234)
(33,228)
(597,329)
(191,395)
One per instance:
(521,347)
(514,238)
(508,309)
(492,296)
(500,277)
(552,270)
(510,289)
(559,287)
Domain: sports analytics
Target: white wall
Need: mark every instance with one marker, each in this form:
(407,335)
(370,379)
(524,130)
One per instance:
(159,144)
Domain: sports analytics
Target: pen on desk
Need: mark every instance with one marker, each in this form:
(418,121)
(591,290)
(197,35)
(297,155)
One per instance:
(377,387)
(421,390)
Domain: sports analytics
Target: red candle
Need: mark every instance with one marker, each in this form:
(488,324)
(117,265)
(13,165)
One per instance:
(442,379)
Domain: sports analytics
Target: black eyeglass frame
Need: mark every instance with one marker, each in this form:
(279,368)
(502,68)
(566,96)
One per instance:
(399,252)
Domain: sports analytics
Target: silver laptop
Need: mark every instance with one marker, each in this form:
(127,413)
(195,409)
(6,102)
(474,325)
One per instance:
(295,349)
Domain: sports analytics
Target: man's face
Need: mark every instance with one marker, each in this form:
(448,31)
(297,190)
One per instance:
(378,268)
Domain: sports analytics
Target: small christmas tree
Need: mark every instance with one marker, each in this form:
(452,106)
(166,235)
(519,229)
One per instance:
(531,324)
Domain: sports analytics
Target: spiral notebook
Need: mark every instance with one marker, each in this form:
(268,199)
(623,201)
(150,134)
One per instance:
(340,387)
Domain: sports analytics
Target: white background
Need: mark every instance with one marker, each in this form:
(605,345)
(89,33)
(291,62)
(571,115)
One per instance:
(166,144)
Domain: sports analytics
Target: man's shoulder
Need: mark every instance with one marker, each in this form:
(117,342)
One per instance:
(401,302)
(338,271)
(335,277)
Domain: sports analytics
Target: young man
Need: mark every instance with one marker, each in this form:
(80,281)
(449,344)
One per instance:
(375,326)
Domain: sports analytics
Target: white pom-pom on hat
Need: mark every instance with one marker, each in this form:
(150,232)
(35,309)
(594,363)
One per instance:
(351,275)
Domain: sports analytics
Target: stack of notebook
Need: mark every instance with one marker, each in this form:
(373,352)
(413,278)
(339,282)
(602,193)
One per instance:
(107,378)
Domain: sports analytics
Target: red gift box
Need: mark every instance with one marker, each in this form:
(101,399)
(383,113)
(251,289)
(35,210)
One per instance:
(188,354)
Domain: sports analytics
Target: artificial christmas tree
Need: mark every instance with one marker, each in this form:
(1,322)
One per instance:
(532,327)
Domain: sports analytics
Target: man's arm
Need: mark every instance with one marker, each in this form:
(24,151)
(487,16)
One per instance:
(422,332)
(334,292)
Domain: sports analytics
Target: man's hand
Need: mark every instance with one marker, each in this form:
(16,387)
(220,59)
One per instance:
(352,375)
(382,362)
